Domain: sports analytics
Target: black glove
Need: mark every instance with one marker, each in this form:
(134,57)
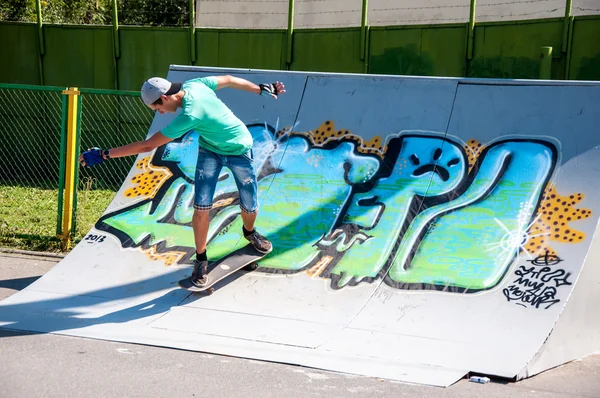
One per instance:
(268,90)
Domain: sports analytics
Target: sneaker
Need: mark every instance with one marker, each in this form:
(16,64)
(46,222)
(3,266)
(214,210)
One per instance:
(200,272)
(259,242)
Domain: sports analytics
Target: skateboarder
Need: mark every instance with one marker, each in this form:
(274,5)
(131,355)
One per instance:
(224,141)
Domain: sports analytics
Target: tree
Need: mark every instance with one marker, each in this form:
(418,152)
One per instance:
(18,10)
(99,12)
(77,12)
(154,12)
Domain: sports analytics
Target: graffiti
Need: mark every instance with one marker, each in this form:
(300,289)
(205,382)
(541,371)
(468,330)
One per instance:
(91,238)
(537,285)
(553,221)
(417,210)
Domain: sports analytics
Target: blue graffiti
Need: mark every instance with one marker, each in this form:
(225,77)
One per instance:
(415,216)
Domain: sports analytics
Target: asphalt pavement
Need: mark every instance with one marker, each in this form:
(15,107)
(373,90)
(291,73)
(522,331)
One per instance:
(48,365)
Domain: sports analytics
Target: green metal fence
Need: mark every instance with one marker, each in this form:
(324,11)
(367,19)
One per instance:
(33,127)
(110,119)
(478,44)
(30,125)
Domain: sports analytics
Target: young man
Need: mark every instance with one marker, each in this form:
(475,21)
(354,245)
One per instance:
(224,141)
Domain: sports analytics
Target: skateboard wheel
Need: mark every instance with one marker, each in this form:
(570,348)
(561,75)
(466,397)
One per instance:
(209,291)
(251,267)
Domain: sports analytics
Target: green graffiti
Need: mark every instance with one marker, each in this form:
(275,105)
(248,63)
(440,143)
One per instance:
(415,218)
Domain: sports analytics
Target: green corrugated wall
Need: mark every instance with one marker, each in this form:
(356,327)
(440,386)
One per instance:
(423,51)
(585,51)
(327,50)
(19,54)
(512,50)
(149,52)
(240,48)
(83,56)
(78,56)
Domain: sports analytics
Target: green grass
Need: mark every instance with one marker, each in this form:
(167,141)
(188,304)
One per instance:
(28,216)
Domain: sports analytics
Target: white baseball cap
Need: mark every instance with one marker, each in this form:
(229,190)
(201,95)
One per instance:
(153,88)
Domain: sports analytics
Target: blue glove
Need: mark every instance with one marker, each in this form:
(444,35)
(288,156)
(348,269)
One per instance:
(91,157)
(268,90)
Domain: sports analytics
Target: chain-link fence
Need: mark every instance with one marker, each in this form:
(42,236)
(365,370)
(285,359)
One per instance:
(30,126)
(108,119)
(33,126)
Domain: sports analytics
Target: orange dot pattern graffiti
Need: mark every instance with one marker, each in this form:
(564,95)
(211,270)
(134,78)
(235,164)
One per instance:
(473,149)
(147,183)
(555,214)
(327,132)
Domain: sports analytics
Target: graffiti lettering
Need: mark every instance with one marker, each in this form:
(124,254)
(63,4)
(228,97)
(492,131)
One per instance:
(420,212)
(534,296)
(538,286)
(546,259)
(94,238)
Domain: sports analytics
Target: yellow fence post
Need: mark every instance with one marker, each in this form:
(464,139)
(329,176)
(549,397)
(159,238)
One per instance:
(71,166)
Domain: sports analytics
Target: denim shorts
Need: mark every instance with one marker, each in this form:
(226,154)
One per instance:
(209,167)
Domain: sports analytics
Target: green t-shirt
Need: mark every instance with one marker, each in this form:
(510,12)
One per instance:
(202,111)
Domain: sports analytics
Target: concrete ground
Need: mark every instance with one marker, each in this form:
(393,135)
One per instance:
(46,365)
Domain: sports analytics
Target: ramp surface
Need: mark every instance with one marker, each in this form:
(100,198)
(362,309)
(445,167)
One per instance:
(423,228)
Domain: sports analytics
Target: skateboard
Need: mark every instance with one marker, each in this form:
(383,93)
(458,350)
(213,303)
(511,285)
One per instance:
(245,257)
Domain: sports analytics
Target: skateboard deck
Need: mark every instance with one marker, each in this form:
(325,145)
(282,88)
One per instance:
(246,256)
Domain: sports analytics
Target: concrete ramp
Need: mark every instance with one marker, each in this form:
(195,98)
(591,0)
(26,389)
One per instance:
(423,228)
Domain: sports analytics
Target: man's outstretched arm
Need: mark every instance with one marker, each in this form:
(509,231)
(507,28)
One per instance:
(94,156)
(273,90)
